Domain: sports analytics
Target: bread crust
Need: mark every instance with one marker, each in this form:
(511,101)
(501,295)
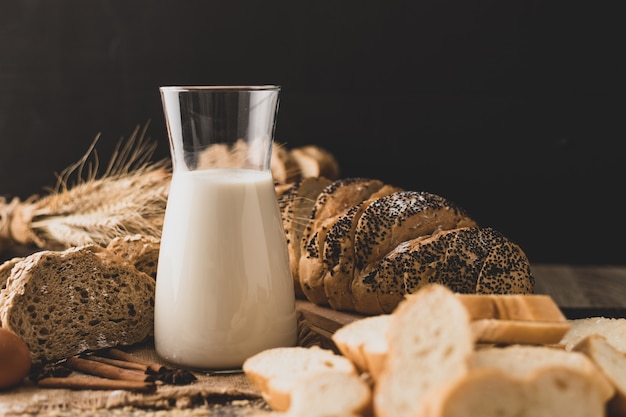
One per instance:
(337,198)
(296,204)
(457,258)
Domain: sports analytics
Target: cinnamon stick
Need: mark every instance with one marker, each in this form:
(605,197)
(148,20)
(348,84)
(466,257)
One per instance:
(124,356)
(104,370)
(77,383)
(117,362)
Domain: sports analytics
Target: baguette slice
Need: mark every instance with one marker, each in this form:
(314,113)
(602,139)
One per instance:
(85,298)
(276,371)
(364,342)
(330,394)
(494,393)
(430,343)
(613,329)
(525,307)
(519,332)
(519,381)
(612,363)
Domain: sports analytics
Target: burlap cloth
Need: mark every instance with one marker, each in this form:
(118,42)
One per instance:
(210,395)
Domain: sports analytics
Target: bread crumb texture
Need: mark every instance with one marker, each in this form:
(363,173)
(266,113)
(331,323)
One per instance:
(65,303)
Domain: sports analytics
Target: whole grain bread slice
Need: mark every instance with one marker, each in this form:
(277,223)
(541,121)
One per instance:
(138,250)
(62,303)
(5,271)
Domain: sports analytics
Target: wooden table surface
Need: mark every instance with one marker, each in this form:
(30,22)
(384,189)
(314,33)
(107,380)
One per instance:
(584,290)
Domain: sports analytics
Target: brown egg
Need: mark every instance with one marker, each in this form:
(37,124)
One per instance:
(15,359)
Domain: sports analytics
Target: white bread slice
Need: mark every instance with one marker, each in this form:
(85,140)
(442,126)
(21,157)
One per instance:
(430,341)
(519,332)
(364,342)
(67,302)
(275,372)
(525,381)
(612,363)
(522,361)
(330,394)
(527,307)
(493,393)
(613,329)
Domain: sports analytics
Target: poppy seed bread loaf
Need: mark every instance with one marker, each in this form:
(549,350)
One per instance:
(359,249)
(68,302)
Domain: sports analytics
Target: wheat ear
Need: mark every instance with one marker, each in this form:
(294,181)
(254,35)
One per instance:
(84,208)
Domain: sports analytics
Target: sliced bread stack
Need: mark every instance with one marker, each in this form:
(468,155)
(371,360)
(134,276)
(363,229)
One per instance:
(366,244)
(430,361)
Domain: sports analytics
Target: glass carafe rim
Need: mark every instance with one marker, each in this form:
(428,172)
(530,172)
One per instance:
(269,87)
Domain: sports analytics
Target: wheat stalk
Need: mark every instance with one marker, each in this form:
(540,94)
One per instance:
(128,198)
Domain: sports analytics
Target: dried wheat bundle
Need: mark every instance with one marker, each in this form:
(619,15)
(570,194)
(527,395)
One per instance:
(84,207)
(130,196)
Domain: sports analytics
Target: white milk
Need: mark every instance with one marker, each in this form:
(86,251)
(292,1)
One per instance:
(223,271)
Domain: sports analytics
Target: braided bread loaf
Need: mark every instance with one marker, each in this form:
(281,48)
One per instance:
(367,244)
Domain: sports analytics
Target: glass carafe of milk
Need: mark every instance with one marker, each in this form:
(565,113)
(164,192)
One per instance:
(224,291)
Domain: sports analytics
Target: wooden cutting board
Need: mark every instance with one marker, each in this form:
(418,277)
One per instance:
(580,291)
(324,321)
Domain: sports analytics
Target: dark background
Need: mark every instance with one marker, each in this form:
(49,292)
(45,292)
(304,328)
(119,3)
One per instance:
(512,109)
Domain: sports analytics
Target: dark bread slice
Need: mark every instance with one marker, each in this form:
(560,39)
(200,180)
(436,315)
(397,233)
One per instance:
(5,271)
(296,204)
(459,258)
(138,250)
(65,303)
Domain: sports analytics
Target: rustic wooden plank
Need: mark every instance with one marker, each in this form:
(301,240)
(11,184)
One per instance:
(325,317)
(592,287)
